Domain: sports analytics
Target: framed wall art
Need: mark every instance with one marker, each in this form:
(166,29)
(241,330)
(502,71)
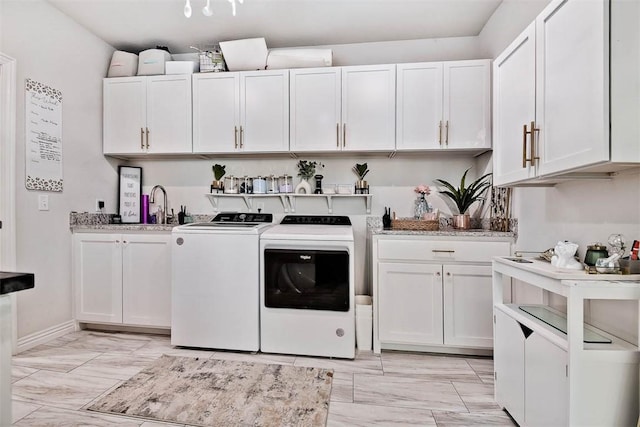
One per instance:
(129,194)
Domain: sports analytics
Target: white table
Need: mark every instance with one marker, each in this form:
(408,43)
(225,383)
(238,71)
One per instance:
(597,389)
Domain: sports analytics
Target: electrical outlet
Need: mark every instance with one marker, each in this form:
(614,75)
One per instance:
(99,205)
(43,202)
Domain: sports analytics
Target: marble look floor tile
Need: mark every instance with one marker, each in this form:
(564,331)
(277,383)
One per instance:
(57,417)
(278,359)
(62,390)
(481,366)
(59,359)
(355,415)
(101,341)
(117,366)
(477,397)
(364,363)
(487,378)
(458,419)
(342,389)
(158,347)
(21,409)
(155,424)
(437,368)
(18,372)
(406,392)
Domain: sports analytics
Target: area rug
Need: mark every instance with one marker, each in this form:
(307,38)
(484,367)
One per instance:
(209,392)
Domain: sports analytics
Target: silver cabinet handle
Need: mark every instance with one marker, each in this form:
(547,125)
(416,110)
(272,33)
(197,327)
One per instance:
(440,133)
(446,251)
(235,136)
(337,135)
(344,134)
(438,274)
(141,139)
(448,273)
(241,137)
(446,133)
(147,138)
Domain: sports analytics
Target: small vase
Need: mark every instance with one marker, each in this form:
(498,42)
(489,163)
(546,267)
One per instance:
(422,207)
(303,187)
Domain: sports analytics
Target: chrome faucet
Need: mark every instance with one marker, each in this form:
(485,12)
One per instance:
(152,198)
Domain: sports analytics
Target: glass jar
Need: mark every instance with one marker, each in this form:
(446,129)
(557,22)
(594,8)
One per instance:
(285,184)
(231,184)
(246,185)
(259,185)
(272,184)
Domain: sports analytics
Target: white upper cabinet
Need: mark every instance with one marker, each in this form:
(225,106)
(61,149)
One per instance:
(467,104)
(568,77)
(241,112)
(419,106)
(368,108)
(514,103)
(148,114)
(443,105)
(216,112)
(315,103)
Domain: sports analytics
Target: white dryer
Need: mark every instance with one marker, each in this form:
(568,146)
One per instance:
(307,287)
(214,283)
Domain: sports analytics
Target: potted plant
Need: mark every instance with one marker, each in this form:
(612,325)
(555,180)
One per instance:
(218,173)
(306,171)
(463,197)
(361,170)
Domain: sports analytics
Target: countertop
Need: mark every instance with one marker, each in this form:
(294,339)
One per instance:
(374,226)
(122,227)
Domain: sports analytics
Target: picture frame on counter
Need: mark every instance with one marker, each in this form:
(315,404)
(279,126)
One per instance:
(129,194)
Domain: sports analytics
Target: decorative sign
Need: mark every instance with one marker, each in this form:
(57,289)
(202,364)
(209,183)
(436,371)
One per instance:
(43,118)
(129,192)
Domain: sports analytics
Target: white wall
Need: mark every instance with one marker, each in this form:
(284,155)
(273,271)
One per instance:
(51,48)
(580,211)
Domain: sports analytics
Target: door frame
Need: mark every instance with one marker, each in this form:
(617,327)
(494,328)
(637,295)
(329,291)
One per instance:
(7,175)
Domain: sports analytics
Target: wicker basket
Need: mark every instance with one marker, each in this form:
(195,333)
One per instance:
(414,224)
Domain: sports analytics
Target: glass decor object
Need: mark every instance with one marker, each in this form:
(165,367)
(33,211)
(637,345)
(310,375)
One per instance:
(422,207)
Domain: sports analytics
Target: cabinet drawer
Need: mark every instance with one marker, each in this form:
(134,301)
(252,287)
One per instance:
(441,250)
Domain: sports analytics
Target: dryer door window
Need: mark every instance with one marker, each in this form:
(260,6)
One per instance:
(306,279)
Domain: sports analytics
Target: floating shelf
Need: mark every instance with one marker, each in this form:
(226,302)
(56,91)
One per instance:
(288,200)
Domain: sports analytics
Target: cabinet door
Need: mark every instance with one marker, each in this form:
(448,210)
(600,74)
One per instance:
(468,306)
(546,383)
(124,115)
(513,107)
(315,99)
(169,114)
(419,106)
(146,280)
(467,101)
(369,108)
(264,112)
(572,93)
(508,361)
(216,112)
(97,277)
(410,303)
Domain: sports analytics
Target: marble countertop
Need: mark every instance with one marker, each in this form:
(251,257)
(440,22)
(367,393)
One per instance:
(122,227)
(447,232)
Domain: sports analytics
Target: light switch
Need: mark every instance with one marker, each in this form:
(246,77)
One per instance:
(43,202)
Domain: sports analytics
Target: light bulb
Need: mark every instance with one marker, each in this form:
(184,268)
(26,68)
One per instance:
(206,11)
(187,9)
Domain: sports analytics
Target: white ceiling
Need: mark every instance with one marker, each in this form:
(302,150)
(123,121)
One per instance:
(135,25)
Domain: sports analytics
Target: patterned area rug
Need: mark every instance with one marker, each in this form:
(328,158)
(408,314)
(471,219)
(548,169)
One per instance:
(209,392)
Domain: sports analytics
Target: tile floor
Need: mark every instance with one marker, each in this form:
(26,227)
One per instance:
(52,383)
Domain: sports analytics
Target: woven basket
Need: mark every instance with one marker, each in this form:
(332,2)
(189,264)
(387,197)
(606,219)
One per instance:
(414,224)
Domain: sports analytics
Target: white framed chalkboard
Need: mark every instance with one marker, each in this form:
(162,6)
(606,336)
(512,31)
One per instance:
(43,122)
(129,194)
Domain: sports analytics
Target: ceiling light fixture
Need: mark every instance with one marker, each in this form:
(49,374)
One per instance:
(206,11)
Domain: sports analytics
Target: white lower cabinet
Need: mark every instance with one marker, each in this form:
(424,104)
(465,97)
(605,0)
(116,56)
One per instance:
(122,278)
(532,373)
(433,295)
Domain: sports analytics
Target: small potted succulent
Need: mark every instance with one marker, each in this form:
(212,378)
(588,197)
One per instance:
(218,172)
(306,171)
(361,170)
(463,197)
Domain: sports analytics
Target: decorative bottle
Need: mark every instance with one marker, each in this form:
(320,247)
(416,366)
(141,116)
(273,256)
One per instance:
(422,207)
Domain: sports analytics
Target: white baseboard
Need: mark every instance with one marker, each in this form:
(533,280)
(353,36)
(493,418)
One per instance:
(44,336)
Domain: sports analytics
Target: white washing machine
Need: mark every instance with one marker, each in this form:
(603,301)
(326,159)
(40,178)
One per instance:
(307,287)
(214,284)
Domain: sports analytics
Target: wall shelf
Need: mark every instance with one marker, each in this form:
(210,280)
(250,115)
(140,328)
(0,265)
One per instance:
(288,200)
